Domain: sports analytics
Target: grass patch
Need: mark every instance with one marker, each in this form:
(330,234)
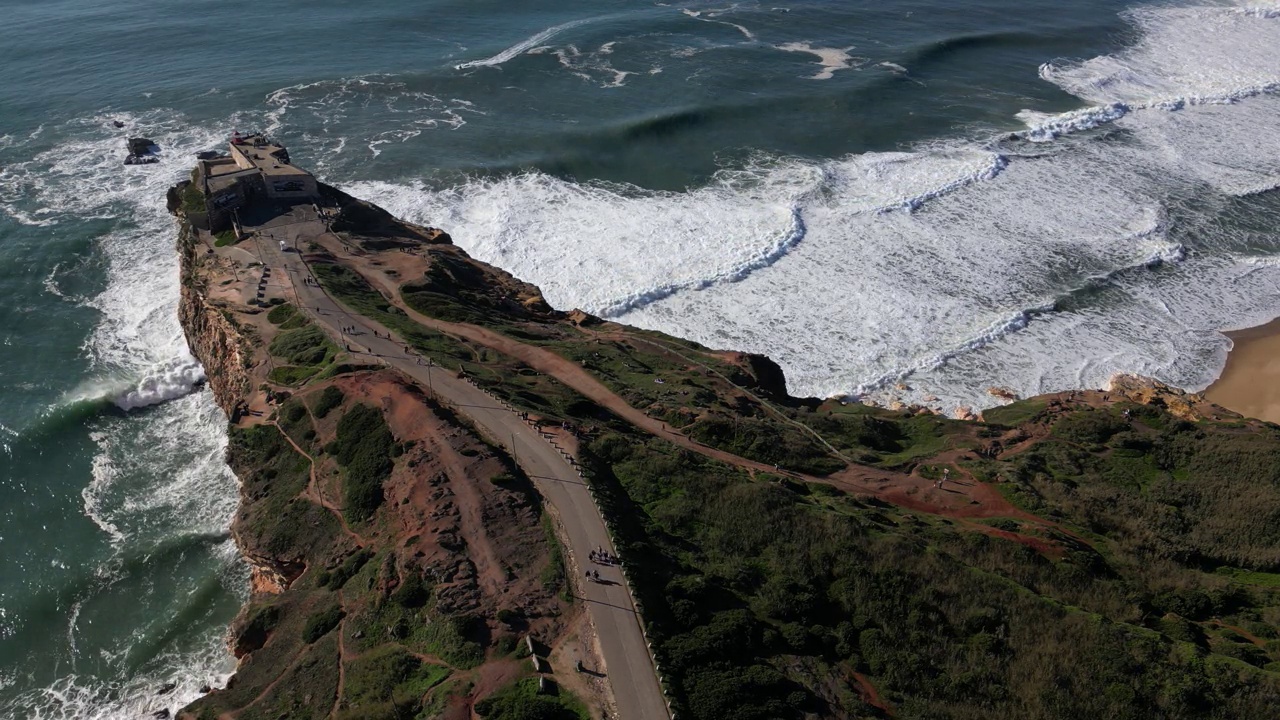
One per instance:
(292,375)
(282,313)
(1015,413)
(225,238)
(363,448)
(390,682)
(521,701)
(554,576)
(321,623)
(305,348)
(1250,577)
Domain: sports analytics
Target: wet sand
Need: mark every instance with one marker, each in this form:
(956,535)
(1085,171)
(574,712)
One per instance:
(1250,383)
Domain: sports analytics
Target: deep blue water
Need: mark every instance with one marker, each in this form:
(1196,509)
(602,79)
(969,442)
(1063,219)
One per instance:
(943,196)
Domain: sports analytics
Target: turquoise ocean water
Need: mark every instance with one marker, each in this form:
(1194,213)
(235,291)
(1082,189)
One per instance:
(910,200)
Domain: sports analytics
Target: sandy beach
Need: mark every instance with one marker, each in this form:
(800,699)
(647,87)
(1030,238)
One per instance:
(1250,383)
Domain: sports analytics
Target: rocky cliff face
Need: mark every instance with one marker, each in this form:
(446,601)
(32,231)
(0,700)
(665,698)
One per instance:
(227,355)
(214,339)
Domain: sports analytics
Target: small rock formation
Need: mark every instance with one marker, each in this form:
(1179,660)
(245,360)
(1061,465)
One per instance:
(140,146)
(1149,391)
(581,318)
(964,412)
(1002,392)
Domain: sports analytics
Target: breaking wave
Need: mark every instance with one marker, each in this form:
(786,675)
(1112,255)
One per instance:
(528,43)
(944,263)
(174,379)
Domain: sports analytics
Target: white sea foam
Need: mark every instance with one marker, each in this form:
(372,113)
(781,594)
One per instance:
(156,477)
(170,380)
(387,110)
(529,42)
(956,267)
(831,59)
(710,15)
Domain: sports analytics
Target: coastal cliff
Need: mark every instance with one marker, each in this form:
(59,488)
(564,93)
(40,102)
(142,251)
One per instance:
(795,558)
(214,339)
(375,523)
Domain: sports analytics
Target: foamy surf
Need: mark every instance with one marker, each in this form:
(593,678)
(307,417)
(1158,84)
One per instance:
(831,59)
(155,478)
(526,44)
(1039,270)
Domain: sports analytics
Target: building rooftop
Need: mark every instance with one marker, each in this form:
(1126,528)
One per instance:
(222,166)
(256,151)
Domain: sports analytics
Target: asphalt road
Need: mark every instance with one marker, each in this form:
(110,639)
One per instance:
(629,666)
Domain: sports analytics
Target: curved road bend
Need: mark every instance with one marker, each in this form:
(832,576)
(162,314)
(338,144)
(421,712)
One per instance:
(629,665)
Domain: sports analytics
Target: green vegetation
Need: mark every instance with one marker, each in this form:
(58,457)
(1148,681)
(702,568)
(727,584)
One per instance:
(330,398)
(281,314)
(1197,495)
(192,199)
(224,238)
(521,701)
(321,623)
(269,468)
(758,594)
(337,578)
(554,576)
(389,682)
(767,442)
(363,448)
(352,290)
(305,347)
(292,375)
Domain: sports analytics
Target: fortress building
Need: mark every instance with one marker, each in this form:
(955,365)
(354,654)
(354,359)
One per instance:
(257,170)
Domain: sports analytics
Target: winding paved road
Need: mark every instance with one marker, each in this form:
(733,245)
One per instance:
(628,662)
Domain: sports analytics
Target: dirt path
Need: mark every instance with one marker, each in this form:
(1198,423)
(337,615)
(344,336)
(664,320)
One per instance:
(313,490)
(974,500)
(469,502)
(611,607)
(1241,632)
(869,693)
(293,663)
(342,656)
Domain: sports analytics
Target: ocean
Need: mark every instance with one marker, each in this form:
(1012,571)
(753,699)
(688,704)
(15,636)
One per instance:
(912,201)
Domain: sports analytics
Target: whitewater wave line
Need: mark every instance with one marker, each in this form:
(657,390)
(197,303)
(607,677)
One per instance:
(1092,117)
(1070,122)
(526,44)
(1020,319)
(792,238)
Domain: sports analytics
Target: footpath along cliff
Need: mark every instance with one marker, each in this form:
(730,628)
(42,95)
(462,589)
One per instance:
(1086,552)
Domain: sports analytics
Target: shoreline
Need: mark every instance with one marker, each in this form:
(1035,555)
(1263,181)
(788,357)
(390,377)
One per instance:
(1250,380)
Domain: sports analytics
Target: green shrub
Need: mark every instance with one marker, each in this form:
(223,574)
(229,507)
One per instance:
(338,577)
(319,624)
(521,701)
(1090,427)
(412,593)
(363,447)
(281,313)
(330,398)
(303,346)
